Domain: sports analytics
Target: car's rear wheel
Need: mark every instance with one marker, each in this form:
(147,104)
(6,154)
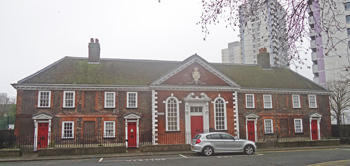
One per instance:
(208,151)
(249,149)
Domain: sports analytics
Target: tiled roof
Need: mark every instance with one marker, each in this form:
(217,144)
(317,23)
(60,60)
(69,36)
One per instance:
(71,70)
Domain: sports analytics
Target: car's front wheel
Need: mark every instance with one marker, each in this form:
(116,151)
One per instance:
(208,151)
(249,149)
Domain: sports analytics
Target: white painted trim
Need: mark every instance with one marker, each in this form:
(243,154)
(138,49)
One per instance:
(255,120)
(39,96)
(189,61)
(154,117)
(235,112)
(97,87)
(177,112)
(225,115)
(246,99)
(318,117)
(41,118)
(298,101)
(272,129)
(104,129)
(62,130)
(132,118)
(196,101)
(128,98)
(105,100)
(64,99)
(310,102)
(301,124)
(270,96)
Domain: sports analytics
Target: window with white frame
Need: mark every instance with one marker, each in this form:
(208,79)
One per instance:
(44,99)
(67,129)
(249,101)
(267,101)
(296,101)
(131,100)
(268,123)
(109,129)
(109,99)
(312,101)
(298,125)
(220,114)
(172,114)
(68,99)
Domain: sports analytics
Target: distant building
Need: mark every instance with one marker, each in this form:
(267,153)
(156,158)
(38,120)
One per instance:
(266,30)
(232,54)
(329,67)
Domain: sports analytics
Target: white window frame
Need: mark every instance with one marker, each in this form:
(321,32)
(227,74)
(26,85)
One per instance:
(105,129)
(63,136)
(106,102)
(297,129)
(246,101)
(315,101)
(128,100)
(265,127)
(296,101)
(177,113)
(224,109)
(64,99)
(265,102)
(49,99)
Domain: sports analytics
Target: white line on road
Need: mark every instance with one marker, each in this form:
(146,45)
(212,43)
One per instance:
(100,160)
(183,156)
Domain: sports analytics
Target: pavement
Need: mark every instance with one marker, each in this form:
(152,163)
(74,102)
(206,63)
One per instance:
(136,152)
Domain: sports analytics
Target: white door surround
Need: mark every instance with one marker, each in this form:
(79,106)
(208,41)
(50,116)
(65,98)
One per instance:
(41,118)
(132,118)
(251,117)
(196,101)
(315,116)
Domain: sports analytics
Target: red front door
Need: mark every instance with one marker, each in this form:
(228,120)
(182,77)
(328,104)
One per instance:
(132,134)
(43,130)
(196,125)
(314,130)
(251,130)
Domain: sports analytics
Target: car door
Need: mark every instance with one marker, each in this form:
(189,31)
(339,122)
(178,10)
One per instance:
(217,143)
(231,144)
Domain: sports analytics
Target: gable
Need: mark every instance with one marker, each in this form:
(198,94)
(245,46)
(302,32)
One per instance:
(195,71)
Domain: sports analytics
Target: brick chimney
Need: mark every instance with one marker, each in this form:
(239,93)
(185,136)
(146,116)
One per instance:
(264,58)
(94,51)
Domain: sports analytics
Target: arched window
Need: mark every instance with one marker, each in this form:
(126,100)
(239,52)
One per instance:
(220,114)
(172,114)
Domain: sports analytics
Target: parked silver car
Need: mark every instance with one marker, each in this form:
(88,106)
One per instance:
(218,142)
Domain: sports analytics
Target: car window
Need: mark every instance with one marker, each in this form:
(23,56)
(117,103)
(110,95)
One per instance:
(226,136)
(197,136)
(213,136)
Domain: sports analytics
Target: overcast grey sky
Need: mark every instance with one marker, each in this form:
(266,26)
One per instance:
(36,33)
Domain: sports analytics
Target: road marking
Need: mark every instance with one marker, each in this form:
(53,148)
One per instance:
(183,156)
(345,149)
(100,160)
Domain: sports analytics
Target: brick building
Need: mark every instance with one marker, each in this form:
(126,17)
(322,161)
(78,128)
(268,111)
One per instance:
(167,101)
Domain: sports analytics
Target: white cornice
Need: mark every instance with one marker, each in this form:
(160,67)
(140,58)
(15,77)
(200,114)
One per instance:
(284,91)
(87,87)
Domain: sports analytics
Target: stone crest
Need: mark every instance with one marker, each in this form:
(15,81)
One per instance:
(196,75)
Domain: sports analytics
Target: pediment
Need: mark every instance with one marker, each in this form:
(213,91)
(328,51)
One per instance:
(42,116)
(195,71)
(315,115)
(132,116)
(251,116)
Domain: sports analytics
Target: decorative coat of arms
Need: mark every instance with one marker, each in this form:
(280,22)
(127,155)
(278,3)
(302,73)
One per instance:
(196,75)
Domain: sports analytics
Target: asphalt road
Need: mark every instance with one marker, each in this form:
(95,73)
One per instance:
(283,158)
